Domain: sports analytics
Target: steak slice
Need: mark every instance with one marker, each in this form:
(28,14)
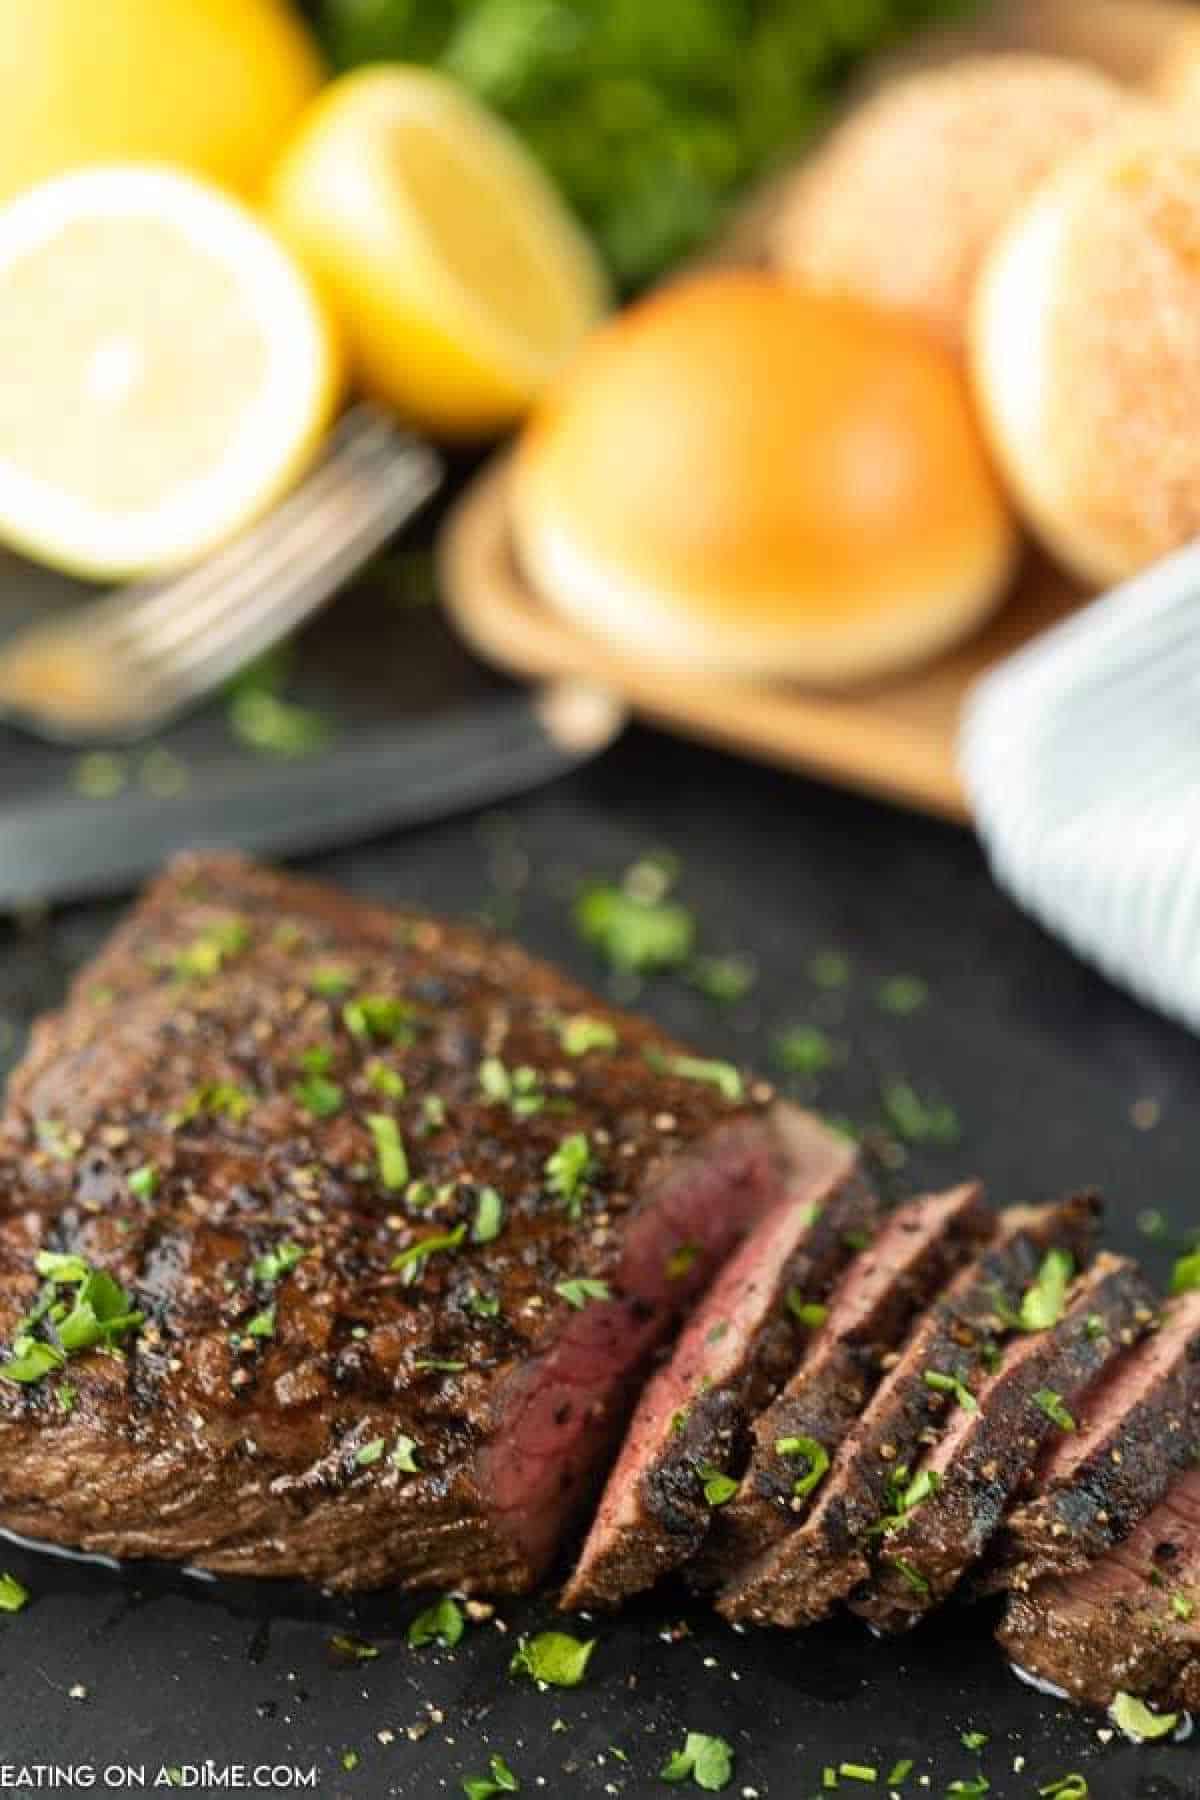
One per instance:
(802,1577)
(919,1246)
(739,1345)
(258,1104)
(978,1463)
(1140,1430)
(1129,1623)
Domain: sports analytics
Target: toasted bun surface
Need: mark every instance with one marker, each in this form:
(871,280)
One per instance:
(740,476)
(907,195)
(1086,354)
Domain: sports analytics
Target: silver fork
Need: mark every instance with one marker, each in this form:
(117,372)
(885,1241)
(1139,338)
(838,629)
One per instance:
(118,667)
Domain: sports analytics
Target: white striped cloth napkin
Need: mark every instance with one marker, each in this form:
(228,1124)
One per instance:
(1081,756)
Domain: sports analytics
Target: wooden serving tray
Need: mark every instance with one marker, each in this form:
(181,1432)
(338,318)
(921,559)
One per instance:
(894,739)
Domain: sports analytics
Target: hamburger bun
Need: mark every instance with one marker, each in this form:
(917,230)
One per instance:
(1086,354)
(901,204)
(740,476)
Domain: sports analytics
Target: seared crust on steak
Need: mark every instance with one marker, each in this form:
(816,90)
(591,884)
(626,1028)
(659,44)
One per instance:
(918,1248)
(738,1347)
(803,1576)
(987,1446)
(188,1048)
(1139,1430)
(1129,1623)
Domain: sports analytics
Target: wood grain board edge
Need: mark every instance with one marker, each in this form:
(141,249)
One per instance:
(894,740)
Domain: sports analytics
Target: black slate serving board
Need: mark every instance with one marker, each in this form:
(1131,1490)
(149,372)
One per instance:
(1043,1063)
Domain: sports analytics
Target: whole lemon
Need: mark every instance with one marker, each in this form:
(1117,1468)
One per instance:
(213,85)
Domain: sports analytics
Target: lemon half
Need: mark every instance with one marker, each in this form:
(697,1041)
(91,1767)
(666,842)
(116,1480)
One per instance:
(168,370)
(459,278)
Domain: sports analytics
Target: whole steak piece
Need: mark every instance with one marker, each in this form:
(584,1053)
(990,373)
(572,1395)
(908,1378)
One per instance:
(335,1241)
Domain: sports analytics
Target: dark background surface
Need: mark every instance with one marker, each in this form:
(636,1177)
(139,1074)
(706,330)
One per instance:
(1042,1062)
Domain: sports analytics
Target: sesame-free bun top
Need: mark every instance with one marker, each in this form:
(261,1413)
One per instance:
(1086,353)
(901,203)
(737,475)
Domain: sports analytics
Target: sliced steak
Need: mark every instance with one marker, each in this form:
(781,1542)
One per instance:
(921,1244)
(740,1344)
(1129,1623)
(258,1104)
(990,1441)
(1139,1429)
(802,1577)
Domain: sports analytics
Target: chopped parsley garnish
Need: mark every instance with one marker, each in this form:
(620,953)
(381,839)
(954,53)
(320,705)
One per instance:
(319,1096)
(1182,1607)
(317,1059)
(1045,1300)
(829,969)
(813,1455)
(486,1306)
(277,1263)
(350,1760)
(54,1138)
(1053,1407)
(265,722)
(411,1262)
(379,1018)
(725,979)
(262,1325)
(567,1171)
(99,1315)
(721,1075)
(681,1261)
(580,1033)
(866,1772)
(915,1121)
(911,1577)
(1133,1717)
(519,1089)
(205,957)
(1067,1787)
(974,1740)
(442,1623)
(217,1100)
(903,1495)
(903,994)
(1186,1274)
(969,1787)
(351,1649)
(809,1312)
(950,1384)
(331,982)
(633,931)
(580,1290)
(553,1658)
(708,1761)
(899,1772)
(390,1153)
(370,1453)
(12,1595)
(804,1050)
(489,1216)
(719,1488)
(439,1365)
(404,1455)
(385,1081)
(143,1182)
(501,1780)
(433,1114)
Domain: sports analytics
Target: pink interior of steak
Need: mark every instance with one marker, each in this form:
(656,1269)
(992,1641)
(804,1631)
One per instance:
(558,1415)
(1123,1387)
(1163,1551)
(898,1250)
(713,1345)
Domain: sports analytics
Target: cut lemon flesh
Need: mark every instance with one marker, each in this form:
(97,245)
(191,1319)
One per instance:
(170,370)
(460,280)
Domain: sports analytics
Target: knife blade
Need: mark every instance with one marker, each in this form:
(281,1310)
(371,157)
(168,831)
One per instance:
(65,847)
